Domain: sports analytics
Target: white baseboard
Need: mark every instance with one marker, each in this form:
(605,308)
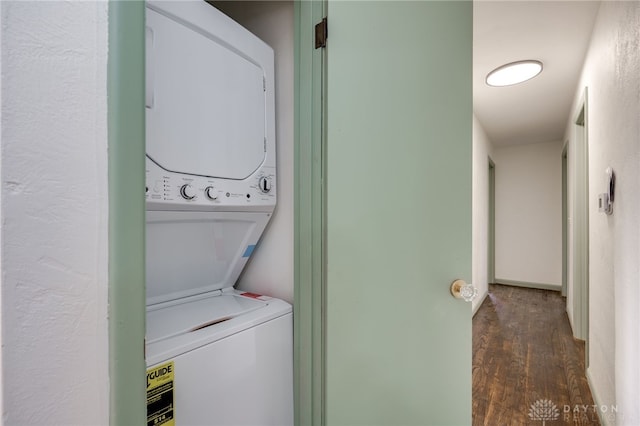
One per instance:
(484,296)
(606,419)
(540,286)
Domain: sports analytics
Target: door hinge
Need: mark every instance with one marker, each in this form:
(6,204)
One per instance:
(321,33)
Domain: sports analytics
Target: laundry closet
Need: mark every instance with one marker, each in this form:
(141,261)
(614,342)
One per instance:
(219,216)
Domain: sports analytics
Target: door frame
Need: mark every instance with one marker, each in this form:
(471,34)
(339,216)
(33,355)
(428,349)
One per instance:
(126,144)
(581,223)
(565,220)
(309,205)
(491,230)
(126,213)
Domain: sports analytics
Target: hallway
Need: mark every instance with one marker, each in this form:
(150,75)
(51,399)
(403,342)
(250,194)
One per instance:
(525,361)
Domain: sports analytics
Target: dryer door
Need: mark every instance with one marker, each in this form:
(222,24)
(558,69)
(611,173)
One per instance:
(205,101)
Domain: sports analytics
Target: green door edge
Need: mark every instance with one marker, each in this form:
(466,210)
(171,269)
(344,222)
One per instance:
(126,144)
(309,216)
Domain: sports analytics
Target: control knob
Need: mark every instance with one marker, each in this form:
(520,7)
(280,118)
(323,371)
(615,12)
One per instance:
(264,184)
(187,192)
(211,193)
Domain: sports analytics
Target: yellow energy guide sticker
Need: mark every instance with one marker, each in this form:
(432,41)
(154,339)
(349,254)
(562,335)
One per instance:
(160,395)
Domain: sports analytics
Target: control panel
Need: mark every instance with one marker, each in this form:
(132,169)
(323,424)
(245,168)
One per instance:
(167,190)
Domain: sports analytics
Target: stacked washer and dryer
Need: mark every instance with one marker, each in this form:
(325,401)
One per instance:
(215,355)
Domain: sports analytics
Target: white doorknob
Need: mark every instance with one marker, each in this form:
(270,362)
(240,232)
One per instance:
(462,290)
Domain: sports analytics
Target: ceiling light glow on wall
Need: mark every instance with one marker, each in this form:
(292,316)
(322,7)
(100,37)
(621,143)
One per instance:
(514,73)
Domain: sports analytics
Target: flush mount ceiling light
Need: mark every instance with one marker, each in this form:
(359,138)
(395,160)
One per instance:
(514,73)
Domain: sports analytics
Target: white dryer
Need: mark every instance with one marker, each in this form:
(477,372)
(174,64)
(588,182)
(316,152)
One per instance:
(215,355)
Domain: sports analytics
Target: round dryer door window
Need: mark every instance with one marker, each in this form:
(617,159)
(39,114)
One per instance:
(205,103)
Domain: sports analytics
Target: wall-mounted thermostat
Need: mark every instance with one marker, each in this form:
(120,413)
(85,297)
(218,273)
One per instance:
(605,200)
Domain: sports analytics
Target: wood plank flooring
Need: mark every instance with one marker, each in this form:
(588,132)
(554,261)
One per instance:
(525,355)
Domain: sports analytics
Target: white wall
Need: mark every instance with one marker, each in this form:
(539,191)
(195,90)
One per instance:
(482,150)
(54,213)
(529,213)
(611,74)
(270,270)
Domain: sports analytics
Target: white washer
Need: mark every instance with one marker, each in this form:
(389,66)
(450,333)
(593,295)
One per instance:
(215,355)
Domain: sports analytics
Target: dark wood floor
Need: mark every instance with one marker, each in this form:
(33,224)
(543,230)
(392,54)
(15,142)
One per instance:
(524,355)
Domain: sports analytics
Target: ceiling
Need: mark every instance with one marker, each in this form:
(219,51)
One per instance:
(557,33)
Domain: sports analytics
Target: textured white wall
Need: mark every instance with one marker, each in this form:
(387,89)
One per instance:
(611,74)
(54,213)
(270,270)
(529,213)
(482,150)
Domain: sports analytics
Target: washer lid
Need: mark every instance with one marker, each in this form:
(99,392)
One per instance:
(216,128)
(190,253)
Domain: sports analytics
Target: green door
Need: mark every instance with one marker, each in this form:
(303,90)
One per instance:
(398,212)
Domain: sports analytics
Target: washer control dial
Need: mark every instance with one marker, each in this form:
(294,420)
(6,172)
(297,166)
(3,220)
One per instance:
(264,184)
(187,192)
(211,193)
